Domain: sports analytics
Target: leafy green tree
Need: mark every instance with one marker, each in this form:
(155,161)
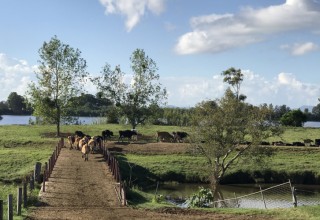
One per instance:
(234,77)
(141,98)
(229,131)
(316,111)
(279,111)
(61,76)
(294,118)
(16,103)
(88,105)
(4,109)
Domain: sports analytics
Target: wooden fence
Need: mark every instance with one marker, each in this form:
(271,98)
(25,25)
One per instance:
(115,170)
(29,184)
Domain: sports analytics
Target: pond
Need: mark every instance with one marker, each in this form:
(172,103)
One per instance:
(246,195)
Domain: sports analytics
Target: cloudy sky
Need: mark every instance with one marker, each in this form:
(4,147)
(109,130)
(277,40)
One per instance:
(276,44)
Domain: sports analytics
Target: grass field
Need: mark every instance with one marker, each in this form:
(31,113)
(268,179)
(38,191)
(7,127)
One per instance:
(22,146)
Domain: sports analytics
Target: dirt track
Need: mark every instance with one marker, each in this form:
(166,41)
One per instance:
(85,190)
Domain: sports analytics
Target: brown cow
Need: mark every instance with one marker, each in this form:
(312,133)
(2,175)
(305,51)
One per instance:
(85,152)
(164,136)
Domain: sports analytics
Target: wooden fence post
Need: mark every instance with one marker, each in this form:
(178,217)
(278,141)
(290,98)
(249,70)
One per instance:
(1,209)
(124,201)
(25,194)
(45,177)
(10,207)
(37,170)
(32,182)
(19,201)
(44,181)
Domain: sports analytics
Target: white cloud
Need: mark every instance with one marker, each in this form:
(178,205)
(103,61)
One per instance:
(299,49)
(133,10)
(284,89)
(215,33)
(15,75)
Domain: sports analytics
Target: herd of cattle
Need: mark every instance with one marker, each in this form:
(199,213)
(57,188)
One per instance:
(87,144)
(93,144)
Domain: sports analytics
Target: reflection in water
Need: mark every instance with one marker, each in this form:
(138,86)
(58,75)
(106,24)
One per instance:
(247,196)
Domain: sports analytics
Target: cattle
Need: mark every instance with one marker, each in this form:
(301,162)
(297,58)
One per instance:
(164,136)
(71,141)
(298,144)
(76,142)
(92,145)
(179,136)
(83,141)
(264,143)
(85,149)
(95,144)
(106,134)
(278,143)
(79,134)
(307,142)
(317,142)
(127,134)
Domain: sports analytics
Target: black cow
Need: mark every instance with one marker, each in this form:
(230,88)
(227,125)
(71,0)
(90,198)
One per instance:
(127,134)
(317,142)
(180,135)
(298,144)
(106,134)
(79,134)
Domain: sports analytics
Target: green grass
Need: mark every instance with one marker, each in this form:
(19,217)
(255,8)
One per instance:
(22,146)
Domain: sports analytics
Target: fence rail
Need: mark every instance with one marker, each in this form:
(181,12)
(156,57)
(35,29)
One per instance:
(29,184)
(115,170)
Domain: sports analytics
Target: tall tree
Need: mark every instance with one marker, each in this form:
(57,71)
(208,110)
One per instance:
(228,131)
(16,103)
(234,77)
(139,99)
(61,75)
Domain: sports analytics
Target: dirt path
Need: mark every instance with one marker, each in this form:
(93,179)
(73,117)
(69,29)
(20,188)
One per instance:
(85,190)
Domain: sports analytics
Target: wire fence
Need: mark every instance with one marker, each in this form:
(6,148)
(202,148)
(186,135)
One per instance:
(280,196)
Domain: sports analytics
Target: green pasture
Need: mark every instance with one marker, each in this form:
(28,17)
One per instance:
(22,146)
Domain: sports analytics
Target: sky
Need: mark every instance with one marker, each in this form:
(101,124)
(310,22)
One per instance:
(275,43)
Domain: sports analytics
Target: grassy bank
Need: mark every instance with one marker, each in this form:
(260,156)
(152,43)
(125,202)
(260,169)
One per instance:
(299,164)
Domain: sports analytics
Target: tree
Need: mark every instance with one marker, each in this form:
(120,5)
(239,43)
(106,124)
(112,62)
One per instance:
(316,111)
(16,103)
(61,75)
(234,77)
(294,118)
(141,98)
(229,131)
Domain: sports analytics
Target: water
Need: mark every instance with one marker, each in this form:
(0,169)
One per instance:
(312,124)
(24,120)
(248,195)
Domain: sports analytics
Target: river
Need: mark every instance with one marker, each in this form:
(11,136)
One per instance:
(25,119)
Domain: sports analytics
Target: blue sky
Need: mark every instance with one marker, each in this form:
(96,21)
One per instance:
(275,43)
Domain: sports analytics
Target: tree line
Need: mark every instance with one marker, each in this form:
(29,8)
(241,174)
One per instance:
(97,106)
